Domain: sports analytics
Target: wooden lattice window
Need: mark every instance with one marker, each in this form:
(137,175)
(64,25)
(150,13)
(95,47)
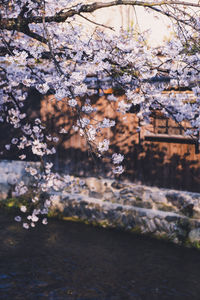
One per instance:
(163,125)
(167,130)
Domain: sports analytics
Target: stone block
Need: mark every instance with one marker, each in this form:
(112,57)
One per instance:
(151,226)
(96,195)
(172,218)
(117,185)
(194,235)
(141,213)
(95,185)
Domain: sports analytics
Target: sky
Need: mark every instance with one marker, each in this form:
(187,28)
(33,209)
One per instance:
(160,27)
(118,16)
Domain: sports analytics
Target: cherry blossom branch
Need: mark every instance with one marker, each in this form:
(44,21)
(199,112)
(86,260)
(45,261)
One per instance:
(21,23)
(170,15)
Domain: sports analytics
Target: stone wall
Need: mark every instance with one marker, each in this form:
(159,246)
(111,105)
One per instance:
(163,213)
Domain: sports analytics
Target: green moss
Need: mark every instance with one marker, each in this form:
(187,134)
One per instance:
(54,214)
(165,207)
(12,203)
(72,219)
(190,244)
(136,229)
(102,223)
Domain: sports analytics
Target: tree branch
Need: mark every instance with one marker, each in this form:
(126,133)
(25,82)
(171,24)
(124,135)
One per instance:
(35,36)
(95,23)
(169,15)
(20,23)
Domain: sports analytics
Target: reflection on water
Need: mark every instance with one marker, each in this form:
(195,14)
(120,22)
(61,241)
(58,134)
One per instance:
(73,261)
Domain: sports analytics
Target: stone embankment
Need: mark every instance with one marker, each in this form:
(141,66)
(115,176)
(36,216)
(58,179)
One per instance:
(163,213)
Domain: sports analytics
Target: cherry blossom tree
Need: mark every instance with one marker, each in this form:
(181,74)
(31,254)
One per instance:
(42,46)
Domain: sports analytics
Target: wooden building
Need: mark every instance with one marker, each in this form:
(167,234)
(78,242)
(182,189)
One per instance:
(159,154)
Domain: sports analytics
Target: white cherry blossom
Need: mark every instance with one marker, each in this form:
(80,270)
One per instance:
(62,61)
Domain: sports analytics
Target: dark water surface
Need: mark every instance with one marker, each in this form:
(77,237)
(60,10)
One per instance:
(65,260)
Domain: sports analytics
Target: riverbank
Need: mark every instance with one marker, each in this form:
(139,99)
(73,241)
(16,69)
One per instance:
(161,213)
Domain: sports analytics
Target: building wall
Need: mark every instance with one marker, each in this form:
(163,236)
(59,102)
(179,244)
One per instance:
(165,163)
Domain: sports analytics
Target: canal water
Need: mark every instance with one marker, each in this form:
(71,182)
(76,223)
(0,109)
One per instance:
(66,260)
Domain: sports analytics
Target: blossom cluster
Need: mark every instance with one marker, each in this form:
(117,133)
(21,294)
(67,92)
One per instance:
(58,58)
